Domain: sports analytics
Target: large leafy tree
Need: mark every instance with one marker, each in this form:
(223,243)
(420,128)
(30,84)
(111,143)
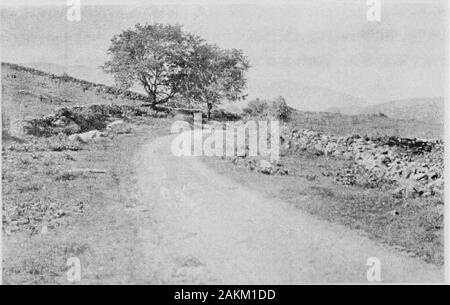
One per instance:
(153,56)
(170,63)
(216,75)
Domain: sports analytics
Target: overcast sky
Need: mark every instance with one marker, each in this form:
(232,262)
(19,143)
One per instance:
(324,43)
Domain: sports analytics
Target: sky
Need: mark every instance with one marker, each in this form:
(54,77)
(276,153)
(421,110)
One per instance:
(291,44)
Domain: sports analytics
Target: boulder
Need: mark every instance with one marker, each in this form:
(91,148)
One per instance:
(86,137)
(118,126)
(265,167)
(420,176)
(71,128)
(115,124)
(59,123)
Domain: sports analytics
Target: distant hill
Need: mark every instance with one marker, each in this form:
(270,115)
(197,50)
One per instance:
(29,93)
(305,98)
(320,99)
(422,109)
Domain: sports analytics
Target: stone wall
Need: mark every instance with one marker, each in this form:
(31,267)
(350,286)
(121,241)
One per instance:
(415,166)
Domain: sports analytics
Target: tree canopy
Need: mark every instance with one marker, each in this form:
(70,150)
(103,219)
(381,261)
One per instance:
(276,108)
(170,63)
(216,74)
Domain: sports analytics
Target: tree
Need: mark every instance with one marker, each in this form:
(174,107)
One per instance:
(216,74)
(170,63)
(280,110)
(257,108)
(269,109)
(154,56)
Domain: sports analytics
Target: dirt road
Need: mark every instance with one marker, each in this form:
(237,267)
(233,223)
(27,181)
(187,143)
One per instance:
(198,227)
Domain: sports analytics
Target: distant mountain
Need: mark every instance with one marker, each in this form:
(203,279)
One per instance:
(323,99)
(94,75)
(304,98)
(421,109)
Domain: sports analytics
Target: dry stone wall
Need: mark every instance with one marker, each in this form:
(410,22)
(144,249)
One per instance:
(414,165)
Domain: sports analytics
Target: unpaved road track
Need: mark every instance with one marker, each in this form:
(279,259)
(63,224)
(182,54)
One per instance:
(198,227)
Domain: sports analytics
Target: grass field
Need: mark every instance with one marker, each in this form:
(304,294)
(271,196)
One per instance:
(27,95)
(370,125)
(415,226)
(53,209)
(101,234)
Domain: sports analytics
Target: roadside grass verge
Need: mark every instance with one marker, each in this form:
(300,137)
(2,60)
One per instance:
(365,125)
(50,217)
(414,226)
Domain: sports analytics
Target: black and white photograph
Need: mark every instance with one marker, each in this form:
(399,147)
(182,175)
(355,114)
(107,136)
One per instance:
(196,144)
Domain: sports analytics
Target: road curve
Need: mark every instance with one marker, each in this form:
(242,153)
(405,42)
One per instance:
(198,227)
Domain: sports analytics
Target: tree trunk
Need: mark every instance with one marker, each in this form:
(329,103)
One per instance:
(208,114)
(153,100)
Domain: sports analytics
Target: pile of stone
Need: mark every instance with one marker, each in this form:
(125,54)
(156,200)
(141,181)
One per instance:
(354,174)
(116,127)
(414,165)
(80,119)
(38,215)
(261,165)
(31,144)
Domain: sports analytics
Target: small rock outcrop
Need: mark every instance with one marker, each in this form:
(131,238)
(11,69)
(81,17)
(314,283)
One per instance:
(86,137)
(414,165)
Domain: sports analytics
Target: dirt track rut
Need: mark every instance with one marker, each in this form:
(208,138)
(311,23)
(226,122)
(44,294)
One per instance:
(198,227)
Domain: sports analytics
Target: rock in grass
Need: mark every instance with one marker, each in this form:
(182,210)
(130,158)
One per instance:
(44,230)
(394,213)
(119,127)
(86,137)
(265,167)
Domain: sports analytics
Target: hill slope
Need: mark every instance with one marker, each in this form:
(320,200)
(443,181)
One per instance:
(80,72)
(366,124)
(305,98)
(420,109)
(28,93)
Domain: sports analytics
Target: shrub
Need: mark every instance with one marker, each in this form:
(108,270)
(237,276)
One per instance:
(223,115)
(39,127)
(65,77)
(256,109)
(280,110)
(272,109)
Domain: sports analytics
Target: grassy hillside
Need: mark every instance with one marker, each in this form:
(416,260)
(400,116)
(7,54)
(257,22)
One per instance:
(422,109)
(366,124)
(430,110)
(28,93)
(59,195)
(95,75)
